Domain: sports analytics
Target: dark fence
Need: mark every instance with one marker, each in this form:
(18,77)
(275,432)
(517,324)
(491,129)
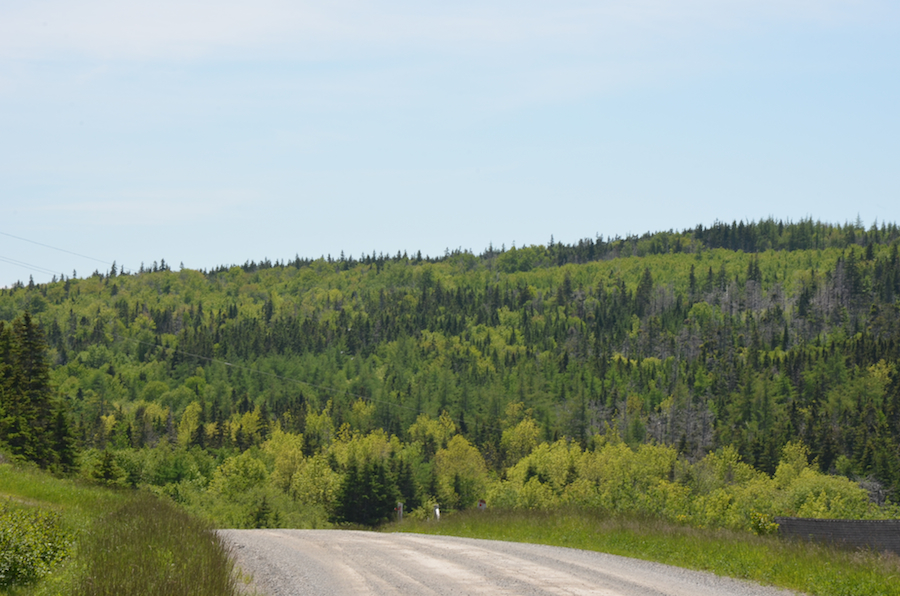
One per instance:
(881,535)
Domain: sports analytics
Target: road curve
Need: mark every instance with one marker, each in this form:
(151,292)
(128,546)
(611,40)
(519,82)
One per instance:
(337,563)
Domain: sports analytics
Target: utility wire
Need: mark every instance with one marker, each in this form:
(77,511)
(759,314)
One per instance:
(27,265)
(55,248)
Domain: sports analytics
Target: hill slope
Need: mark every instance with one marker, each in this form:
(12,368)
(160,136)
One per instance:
(682,339)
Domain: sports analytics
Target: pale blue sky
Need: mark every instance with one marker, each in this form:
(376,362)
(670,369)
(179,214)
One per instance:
(216,132)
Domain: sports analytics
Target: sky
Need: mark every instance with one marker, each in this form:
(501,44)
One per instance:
(212,133)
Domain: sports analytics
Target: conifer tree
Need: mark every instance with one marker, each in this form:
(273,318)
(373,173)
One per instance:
(16,412)
(31,425)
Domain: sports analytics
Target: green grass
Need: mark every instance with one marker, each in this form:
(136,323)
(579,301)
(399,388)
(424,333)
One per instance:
(78,502)
(126,542)
(132,543)
(75,504)
(150,547)
(810,568)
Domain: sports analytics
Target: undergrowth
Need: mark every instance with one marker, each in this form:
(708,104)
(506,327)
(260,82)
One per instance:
(149,547)
(814,569)
(32,542)
(103,542)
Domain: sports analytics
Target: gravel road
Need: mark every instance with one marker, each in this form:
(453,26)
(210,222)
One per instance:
(335,562)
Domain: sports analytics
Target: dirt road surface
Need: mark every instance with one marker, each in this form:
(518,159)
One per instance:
(337,563)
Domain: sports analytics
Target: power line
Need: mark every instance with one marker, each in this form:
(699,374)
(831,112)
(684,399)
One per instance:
(27,265)
(55,248)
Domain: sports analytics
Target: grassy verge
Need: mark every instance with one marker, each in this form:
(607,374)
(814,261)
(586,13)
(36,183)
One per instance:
(125,543)
(149,547)
(76,501)
(813,569)
(72,506)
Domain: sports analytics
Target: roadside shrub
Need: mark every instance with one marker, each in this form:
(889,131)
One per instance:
(32,541)
(829,497)
(425,512)
(763,523)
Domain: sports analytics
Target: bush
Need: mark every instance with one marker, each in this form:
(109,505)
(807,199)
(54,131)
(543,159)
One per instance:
(31,543)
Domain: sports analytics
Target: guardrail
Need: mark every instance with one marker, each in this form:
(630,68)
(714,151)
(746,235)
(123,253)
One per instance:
(881,535)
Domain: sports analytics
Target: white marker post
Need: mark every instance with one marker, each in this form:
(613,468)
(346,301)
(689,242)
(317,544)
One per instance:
(437,513)
(399,511)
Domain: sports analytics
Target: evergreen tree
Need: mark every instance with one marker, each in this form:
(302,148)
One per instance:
(30,356)
(368,493)
(643,294)
(16,431)
(28,425)
(64,442)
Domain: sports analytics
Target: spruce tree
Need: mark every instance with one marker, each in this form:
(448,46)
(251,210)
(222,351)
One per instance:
(32,424)
(63,445)
(16,412)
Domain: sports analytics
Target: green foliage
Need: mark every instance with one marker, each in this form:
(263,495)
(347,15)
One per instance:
(78,501)
(367,494)
(149,547)
(316,483)
(425,512)
(237,475)
(369,489)
(519,440)
(286,453)
(431,434)
(32,425)
(601,374)
(52,516)
(461,473)
(106,470)
(32,542)
(543,476)
(816,495)
(719,491)
(762,524)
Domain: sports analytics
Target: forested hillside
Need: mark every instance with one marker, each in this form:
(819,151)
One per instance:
(739,339)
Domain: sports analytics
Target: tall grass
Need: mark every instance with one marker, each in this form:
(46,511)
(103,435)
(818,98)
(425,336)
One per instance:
(810,568)
(150,548)
(71,505)
(125,543)
(77,501)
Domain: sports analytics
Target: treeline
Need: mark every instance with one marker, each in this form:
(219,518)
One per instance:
(748,237)
(665,340)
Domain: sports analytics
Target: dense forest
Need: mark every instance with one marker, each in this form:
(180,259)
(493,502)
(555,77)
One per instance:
(729,358)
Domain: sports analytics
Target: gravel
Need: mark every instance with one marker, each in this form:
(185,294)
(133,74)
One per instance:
(336,562)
